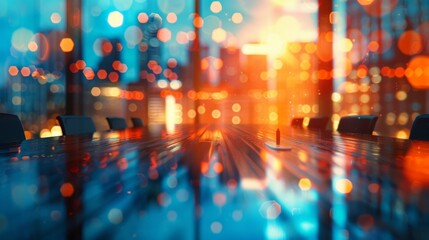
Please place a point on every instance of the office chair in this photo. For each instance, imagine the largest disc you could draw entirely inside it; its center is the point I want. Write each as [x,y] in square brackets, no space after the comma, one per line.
[116,123]
[318,123]
[363,124]
[420,128]
[76,125]
[297,122]
[137,122]
[11,130]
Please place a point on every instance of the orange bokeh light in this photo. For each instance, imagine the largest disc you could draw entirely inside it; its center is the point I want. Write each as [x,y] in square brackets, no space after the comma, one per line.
[164,35]
[67,45]
[410,43]
[365,2]
[362,72]
[102,74]
[171,18]
[417,72]
[80,64]
[344,186]
[143,18]
[378,8]
[198,22]
[373,46]
[113,76]
[218,168]
[204,64]
[399,72]
[25,71]
[13,70]
[106,47]
[67,190]
[89,73]
[416,166]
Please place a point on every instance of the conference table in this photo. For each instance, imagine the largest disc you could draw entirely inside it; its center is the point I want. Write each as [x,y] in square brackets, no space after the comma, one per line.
[215,182]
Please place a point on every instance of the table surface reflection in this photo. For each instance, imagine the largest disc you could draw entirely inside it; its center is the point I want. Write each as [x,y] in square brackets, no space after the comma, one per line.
[215,182]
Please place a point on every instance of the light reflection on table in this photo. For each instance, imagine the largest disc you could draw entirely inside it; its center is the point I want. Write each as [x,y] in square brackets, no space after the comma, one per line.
[215,183]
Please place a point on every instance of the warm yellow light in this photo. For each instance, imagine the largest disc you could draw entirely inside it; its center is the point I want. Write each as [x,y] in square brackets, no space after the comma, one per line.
[253,183]
[201,109]
[216,114]
[402,134]
[364,98]
[365,2]
[286,3]
[111,91]
[401,95]
[219,35]
[67,45]
[216,7]
[236,120]
[170,113]
[273,116]
[304,184]
[175,84]
[237,18]
[292,24]
[346,45]
[95,91]
[343,186]
[255,49]
[217,63]
[56,131]
[236,107]
[32,46]
[192,113]
[162,83]
[336,97]
[115,19]
[45,133]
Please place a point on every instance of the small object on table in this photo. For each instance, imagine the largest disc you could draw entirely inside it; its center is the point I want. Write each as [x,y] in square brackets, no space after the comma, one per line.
[278,136]
[277,145]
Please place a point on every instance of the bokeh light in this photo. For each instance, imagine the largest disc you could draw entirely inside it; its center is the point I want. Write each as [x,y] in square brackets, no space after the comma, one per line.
[410,43]
[216,7]
[56,18]
[115,19]
[67,45]
[418,72]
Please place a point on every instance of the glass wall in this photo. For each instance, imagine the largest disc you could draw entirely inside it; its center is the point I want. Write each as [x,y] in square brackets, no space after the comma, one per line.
[232,62]
[384,62]
[31,62]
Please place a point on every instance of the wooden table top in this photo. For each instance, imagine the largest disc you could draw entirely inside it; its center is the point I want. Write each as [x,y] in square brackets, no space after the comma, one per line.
[215,182]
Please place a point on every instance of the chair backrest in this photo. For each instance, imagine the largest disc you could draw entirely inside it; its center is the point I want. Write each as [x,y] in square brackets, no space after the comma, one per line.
[297,122]
[11,130]
[363,124]
[318,123]
[420,128]
[76,125]
[117,123]
[137,122]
